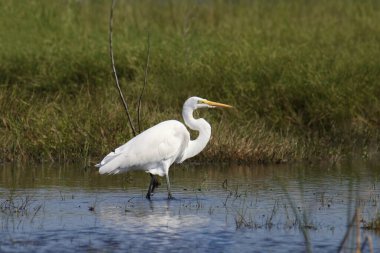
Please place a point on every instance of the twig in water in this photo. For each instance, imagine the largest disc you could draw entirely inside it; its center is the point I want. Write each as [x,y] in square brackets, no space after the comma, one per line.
[367,240]
[355,224]
[114,69]
[358,236]
[36,210]
[350,226]
[225,184]
[227,197]
[145,82]
[298,218]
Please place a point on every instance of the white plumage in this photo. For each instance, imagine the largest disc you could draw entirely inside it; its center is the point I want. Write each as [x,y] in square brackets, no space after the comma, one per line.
[165,142]
[158,147]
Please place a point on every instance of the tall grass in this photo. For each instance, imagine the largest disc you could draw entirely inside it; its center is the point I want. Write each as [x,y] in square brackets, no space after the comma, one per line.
[303,75]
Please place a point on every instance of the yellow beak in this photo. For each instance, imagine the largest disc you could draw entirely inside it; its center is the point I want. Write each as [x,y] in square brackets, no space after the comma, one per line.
[216,104]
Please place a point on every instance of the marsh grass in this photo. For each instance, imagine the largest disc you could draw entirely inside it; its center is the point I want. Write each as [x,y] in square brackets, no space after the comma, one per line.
[19,206]
[353,240]
[63,129]
[303,76]
[373,225]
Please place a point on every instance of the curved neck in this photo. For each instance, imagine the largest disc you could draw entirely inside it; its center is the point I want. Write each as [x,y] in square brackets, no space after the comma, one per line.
[200,125]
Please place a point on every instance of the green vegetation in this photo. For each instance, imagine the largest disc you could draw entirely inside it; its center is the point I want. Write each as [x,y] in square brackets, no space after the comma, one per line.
[303,76]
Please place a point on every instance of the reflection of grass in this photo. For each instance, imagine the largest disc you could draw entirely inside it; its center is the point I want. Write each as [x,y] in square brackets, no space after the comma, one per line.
[352,237]
[243,221]
[236,200]
[11,206]
[19,206]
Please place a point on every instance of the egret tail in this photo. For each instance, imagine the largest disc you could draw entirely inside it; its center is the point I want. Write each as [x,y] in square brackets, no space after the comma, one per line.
[111,165]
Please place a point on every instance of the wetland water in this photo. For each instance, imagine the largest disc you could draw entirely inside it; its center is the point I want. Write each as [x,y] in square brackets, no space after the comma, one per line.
[218,208]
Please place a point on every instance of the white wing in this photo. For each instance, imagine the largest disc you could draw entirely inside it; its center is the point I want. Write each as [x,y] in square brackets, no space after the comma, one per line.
[148,150]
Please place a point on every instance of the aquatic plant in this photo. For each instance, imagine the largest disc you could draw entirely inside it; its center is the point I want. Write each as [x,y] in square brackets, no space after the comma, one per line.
[373,225]
[19,206]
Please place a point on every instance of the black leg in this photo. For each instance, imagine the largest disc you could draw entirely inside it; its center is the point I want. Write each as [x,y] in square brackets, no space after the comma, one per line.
[155,183]
[150,187]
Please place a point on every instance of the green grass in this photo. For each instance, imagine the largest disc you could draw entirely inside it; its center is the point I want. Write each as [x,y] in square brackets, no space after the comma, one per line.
[303,76]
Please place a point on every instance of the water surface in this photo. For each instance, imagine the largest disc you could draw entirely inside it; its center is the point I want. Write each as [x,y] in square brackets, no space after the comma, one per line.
[217,207]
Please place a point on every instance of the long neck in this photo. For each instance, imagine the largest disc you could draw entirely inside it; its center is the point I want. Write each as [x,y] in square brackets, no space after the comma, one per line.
[204,129]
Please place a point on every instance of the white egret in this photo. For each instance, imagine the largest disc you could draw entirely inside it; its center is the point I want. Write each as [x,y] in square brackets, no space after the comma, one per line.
[158,147]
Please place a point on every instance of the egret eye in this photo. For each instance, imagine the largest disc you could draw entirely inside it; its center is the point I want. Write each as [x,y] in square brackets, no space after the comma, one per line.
[201,101]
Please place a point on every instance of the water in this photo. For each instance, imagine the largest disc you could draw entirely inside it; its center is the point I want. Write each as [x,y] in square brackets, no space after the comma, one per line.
[218,208]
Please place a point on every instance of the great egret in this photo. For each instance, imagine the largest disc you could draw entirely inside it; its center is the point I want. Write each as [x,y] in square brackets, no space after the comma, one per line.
[158,147]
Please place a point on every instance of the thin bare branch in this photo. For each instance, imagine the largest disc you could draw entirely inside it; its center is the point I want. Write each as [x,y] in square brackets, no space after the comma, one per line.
[145,82]
[348,231]
[367,240]
[357,226]
[114,69]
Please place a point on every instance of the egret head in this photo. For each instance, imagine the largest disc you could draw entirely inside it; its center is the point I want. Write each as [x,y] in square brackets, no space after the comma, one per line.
[197,102]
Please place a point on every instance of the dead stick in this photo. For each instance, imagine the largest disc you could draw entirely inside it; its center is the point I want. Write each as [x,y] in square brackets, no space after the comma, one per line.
[346,235]
[358,236]
[114,69]
[367,240]
[145,82]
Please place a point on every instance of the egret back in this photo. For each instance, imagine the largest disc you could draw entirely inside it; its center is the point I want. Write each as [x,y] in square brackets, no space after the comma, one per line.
[157,146]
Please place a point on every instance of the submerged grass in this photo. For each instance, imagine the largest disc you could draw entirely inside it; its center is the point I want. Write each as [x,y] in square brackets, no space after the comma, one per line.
[303,76]
[373,225]
[16,206]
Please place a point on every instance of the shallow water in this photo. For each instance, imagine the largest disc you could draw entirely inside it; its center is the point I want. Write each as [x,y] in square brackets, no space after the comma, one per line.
[218,208]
